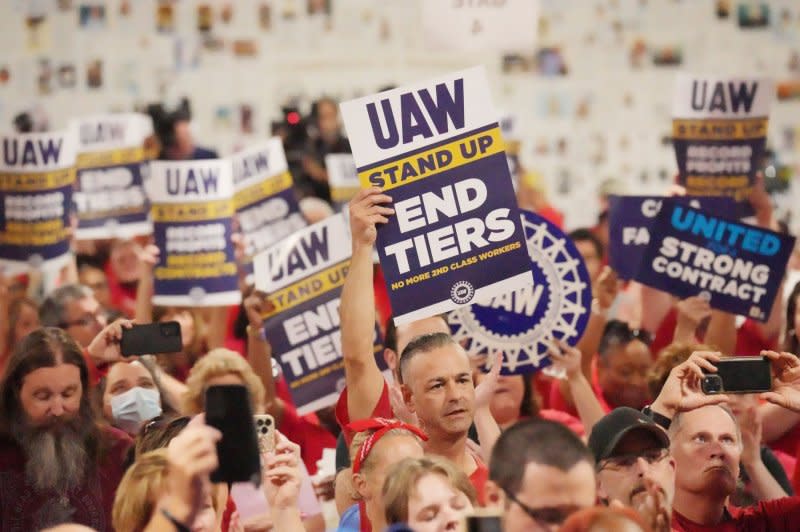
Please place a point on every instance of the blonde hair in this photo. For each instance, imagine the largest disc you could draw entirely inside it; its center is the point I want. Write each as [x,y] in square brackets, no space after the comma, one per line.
[402,478]
[217,363]
[140,488]
[138,492]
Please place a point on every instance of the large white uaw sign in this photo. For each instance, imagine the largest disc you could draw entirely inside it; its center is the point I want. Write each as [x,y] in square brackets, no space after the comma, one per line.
[480,25]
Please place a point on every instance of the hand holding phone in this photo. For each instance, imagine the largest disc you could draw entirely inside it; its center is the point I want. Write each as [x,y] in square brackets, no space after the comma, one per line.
[738,374]
[152,339]
[228,410]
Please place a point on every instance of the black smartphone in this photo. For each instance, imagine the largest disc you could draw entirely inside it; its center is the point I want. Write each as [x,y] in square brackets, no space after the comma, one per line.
[739,375]
[228,410]
[151,339]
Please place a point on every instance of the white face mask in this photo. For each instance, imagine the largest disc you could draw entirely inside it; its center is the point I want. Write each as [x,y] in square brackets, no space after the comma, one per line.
[133,408]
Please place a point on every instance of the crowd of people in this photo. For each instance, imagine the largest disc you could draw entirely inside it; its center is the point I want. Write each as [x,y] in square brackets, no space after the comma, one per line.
[626,440]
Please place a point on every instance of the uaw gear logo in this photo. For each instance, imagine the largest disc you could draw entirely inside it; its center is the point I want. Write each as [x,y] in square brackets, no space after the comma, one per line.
[522,323]
[462,292]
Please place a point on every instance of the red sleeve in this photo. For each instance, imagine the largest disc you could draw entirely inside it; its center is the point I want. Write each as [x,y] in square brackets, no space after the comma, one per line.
[478,479]
[750,341]
[95,373]
[773,516]
[382,409]
[311,437]
[571,422]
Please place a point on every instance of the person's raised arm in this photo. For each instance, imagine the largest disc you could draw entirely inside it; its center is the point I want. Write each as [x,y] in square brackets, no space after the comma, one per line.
[259,353]
[148,257]
[192,456]
[764,486]
[691,313]
[282,486]
[486,426]
[586,403]
[681,391]
[785,380]
[604,292]
[357,309]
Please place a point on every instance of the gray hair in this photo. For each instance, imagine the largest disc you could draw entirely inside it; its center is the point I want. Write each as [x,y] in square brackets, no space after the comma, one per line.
[675,425]
[52,312]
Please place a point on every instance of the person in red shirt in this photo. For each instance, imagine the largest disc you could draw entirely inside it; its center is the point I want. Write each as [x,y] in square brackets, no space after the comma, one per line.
[56,464]
[705,442]
[366,394]
[437,385]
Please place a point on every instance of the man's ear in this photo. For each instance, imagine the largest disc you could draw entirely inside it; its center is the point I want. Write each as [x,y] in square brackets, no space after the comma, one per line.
[408,398]
[601,493]
[494,496]
[391,359]
[360,486]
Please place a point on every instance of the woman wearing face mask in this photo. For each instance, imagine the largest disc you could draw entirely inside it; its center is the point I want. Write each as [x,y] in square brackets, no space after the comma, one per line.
[429,494]
[129,396]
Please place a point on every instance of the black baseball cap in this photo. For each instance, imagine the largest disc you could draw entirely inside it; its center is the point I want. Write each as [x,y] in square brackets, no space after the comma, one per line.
[607,433]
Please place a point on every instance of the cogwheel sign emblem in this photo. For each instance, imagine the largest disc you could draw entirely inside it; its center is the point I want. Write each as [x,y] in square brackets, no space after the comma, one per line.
[462,292]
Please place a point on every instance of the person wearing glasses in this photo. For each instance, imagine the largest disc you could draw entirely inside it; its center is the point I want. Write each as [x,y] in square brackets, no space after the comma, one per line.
[634,466]
[74,309]
[540,473]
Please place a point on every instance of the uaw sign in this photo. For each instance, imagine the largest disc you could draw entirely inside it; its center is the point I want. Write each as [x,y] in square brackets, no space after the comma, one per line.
[522,323]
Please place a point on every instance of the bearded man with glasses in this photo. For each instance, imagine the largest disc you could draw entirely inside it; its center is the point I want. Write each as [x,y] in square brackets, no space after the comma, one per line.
[634,467]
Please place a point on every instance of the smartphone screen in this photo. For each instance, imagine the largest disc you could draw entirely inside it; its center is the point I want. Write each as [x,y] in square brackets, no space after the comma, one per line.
[228,410]
[151,339]
[739,375]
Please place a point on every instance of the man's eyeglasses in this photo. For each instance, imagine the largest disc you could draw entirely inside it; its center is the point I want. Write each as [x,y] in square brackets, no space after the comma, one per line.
[626,461]
[84,321]
[546,516]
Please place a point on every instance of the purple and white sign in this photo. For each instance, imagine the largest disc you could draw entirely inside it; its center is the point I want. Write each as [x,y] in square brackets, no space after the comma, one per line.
[737,267]
[111,167]
[436,148]
[303,277]
[719,131]
[37,175]
[521,323]
[192,208]
[266,208]
[630,218]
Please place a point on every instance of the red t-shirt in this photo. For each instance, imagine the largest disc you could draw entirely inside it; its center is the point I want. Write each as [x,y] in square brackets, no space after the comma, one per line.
[766,516]
[382,409]
[23,509]
[311,437]
[478,479]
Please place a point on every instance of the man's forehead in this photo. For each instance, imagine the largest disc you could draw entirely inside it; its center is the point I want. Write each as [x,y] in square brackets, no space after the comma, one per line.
[62,374]
[710,418]
[442,361]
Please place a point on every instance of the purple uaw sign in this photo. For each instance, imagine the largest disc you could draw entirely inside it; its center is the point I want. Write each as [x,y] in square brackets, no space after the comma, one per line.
[630,218]
[738,267]
[303,277]
[719,131]
[192,208]
[37,176]
[435,147]
[111,169]
[521,323]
